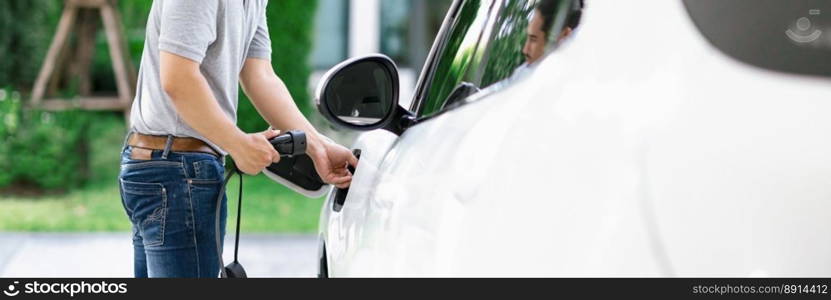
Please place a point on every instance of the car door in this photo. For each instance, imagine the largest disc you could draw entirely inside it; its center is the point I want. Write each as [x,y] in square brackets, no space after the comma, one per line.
[344,210]
[482,51]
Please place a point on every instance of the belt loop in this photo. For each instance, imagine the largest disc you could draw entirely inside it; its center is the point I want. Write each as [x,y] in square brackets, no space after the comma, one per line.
[127,139]
[167,146]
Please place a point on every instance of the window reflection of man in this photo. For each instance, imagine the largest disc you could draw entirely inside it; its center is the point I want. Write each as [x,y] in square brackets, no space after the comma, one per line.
[540,27]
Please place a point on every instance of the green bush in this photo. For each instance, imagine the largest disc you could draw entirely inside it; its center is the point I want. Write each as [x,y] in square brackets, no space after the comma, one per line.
[134,21]
[291,25]
[26,28]
[9,125]
[43,150]
[46,150]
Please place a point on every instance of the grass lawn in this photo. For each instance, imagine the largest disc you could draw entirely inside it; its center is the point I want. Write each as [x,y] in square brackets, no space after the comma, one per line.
[268,206]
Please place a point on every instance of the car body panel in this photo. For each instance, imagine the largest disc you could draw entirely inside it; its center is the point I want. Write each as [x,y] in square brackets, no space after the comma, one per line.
[338,228]
[636,149]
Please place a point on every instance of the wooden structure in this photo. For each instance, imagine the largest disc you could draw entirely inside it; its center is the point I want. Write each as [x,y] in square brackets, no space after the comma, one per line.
[65,58]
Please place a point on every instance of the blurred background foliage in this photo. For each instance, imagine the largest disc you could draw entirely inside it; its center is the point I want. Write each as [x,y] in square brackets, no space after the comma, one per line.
[58,169]
[27,27]
[60,158]
[48,152]
[291,28]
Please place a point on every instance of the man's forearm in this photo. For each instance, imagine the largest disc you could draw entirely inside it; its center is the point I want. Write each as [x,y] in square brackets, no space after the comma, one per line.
[272,99]
[275,104]
[195,102]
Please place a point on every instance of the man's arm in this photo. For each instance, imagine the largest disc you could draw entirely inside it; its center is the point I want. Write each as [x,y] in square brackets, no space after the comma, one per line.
[194,101]
[272,99]
[274,102]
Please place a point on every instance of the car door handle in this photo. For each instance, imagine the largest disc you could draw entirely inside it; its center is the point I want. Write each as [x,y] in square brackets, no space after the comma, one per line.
[340,194]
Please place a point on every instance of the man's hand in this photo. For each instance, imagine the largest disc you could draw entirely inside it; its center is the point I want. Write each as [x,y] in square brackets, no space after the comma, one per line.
[331,161]
[274,102]
[254,152]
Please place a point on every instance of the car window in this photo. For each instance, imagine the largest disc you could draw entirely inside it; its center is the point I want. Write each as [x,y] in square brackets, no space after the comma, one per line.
[490,41]
[456,56]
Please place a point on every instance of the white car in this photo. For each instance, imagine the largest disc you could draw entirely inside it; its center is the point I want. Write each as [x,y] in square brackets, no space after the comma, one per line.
[658,138]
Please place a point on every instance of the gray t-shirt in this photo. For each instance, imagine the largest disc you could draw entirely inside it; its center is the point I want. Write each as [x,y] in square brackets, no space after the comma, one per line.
[218,34]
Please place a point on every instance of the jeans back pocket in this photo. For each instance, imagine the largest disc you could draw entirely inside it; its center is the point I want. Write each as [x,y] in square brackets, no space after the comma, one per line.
[146,205]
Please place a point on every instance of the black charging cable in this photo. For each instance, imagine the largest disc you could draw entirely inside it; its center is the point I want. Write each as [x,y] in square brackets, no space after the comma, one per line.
[290,144]
[235,269]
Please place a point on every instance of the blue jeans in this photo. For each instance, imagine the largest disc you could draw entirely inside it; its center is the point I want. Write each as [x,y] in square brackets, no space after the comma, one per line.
[171,202]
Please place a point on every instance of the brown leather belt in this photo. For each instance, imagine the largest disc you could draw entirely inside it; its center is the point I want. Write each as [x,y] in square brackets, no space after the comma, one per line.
[180,144]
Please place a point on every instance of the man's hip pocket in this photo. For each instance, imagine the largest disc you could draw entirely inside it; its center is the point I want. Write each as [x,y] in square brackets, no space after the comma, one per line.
[146,205]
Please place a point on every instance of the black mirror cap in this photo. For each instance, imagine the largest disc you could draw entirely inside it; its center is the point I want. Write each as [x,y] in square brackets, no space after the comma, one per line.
[393,116]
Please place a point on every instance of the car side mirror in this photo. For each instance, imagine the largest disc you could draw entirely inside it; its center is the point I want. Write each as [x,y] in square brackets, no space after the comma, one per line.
[362,94]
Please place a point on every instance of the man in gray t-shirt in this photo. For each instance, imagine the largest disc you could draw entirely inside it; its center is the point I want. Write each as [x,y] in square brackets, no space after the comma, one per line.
[183,123]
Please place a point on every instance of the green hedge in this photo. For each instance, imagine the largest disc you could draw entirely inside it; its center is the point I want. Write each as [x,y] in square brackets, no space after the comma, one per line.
[291,25]
[134,20]
[42,150]
[48,150]
[26,28]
